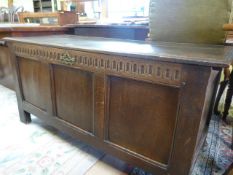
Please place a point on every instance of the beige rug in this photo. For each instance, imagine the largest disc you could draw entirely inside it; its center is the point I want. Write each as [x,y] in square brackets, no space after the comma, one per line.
[37,149]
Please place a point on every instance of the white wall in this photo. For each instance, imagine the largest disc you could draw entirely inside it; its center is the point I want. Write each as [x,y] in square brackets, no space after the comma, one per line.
[3,3]
[59,4]
[27,4]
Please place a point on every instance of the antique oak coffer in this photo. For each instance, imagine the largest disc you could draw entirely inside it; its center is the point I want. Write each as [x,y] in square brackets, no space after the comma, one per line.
[144,102]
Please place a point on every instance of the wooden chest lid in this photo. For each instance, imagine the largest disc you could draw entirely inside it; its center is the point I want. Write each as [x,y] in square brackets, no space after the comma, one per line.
[198,54]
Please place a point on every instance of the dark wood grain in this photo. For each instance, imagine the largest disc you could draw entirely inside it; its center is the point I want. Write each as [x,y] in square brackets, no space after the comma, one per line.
[150,111]
[209,55]
[6,76]
[139,114]
[192,102]
[35,80]
[76,107]
[24,115]
[99,104]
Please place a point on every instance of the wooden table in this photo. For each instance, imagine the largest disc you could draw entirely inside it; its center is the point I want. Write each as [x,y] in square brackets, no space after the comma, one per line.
[11,30]
[61,17]
[229,29]
[147,103]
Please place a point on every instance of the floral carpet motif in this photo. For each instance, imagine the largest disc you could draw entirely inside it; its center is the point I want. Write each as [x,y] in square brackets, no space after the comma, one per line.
[38,149]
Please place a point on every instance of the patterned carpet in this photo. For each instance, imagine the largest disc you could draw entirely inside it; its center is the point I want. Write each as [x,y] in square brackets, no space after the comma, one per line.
[216,156]
[37,149]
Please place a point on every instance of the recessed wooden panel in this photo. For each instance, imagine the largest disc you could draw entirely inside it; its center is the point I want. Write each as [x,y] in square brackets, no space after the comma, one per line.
[35,83]
[74,96]
[6,75]
[142,117]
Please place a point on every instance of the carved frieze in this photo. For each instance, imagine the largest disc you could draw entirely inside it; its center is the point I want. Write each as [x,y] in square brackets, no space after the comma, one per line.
[143,69]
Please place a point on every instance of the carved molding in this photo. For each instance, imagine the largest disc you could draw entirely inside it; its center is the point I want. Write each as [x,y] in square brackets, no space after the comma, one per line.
[149,70]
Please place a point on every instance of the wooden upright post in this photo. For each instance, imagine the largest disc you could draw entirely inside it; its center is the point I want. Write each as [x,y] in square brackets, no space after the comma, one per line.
[80,7]
[104,7]
[10,3]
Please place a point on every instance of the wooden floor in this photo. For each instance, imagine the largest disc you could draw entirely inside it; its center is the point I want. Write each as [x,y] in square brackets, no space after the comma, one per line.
[229,170]
[108,165]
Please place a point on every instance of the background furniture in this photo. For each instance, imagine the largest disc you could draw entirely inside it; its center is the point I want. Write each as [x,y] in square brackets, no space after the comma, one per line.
[147,103]
[53,18]
[11,13]
[45,5]
[6,75]
[133,32]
